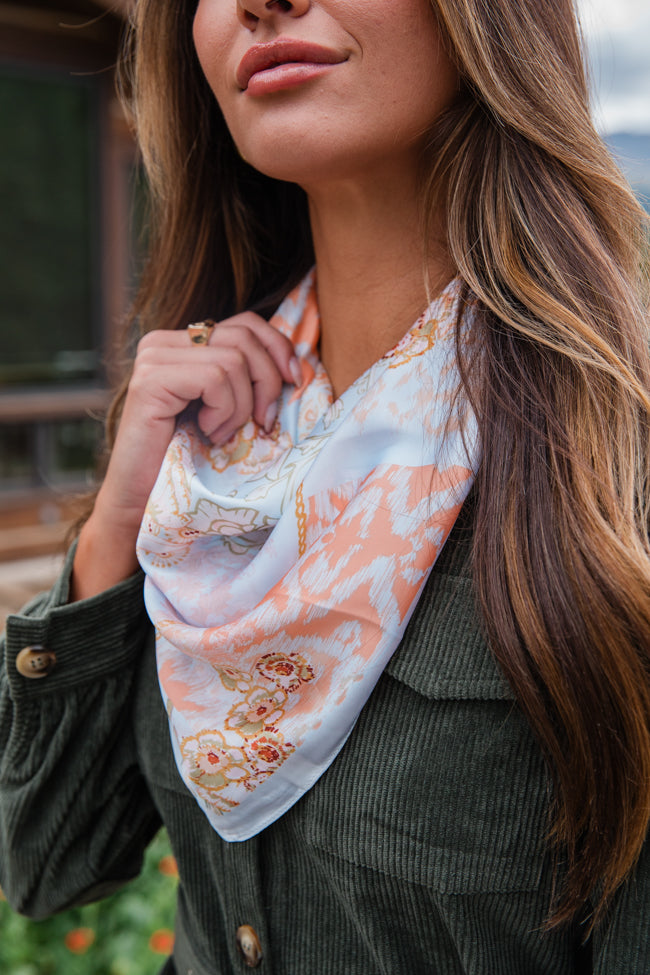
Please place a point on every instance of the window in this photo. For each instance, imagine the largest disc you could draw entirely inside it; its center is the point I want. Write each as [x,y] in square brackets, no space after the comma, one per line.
[65,168]
[50,306]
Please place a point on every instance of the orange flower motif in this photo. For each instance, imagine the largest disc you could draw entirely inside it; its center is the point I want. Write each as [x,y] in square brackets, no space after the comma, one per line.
[287,671]
[269,751]
[258,711]
[210,763]
[167,866]
[162,941]
[79,940]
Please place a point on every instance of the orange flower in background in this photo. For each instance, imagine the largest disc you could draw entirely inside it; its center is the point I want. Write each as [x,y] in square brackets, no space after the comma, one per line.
[2,896]
[79,940]
[168,866]
[162,941]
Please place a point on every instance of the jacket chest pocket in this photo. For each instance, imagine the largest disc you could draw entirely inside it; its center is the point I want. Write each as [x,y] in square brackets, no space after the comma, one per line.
[449,793]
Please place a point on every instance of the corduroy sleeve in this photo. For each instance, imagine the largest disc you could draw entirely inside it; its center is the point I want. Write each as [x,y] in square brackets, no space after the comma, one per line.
[75,813]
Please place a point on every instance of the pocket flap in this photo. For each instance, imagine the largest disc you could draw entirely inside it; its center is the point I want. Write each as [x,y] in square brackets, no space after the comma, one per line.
[443,654]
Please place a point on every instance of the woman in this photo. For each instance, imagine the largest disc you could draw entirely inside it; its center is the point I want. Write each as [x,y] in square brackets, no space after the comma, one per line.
[374,765]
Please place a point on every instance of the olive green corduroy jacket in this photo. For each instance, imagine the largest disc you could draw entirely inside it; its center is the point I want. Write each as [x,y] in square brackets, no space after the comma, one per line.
[420,850]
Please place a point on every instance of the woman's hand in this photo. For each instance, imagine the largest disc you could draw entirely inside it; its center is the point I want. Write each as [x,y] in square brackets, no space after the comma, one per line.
[238,374]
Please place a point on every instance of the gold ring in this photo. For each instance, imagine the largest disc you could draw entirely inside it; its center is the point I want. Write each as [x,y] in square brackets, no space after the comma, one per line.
[200,332]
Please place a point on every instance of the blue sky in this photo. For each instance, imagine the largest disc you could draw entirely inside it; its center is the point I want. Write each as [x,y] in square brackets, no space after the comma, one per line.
[618,38]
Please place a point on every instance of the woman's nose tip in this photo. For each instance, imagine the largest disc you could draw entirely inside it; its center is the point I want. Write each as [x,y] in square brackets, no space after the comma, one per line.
[250,11]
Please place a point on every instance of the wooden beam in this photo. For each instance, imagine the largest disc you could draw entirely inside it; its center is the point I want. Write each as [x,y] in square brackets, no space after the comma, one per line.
[57,404]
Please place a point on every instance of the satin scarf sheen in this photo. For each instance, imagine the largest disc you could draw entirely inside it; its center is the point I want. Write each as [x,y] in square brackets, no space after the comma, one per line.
[282,568]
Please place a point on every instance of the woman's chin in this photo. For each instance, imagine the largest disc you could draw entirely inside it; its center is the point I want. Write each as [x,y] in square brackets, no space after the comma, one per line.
[321,166]
[294,163]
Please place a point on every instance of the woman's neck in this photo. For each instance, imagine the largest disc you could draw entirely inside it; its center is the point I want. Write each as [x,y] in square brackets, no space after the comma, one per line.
[370,259]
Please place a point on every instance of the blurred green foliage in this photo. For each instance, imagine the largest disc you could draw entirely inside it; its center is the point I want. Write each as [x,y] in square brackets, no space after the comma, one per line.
[129,933]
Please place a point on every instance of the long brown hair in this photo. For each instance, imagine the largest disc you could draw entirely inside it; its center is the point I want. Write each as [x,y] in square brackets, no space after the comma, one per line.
[548,239]
[545,232]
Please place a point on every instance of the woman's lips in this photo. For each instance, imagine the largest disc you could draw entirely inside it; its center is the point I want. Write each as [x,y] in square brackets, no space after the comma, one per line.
[282,64]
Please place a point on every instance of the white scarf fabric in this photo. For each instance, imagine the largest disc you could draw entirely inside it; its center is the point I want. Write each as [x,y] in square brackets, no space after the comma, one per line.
[282,568]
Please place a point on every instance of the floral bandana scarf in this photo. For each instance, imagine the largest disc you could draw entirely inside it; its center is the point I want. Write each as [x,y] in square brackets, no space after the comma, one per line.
[282,568]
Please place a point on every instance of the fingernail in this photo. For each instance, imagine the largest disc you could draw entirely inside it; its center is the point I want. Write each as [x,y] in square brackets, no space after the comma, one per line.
[271,417]
[296,371]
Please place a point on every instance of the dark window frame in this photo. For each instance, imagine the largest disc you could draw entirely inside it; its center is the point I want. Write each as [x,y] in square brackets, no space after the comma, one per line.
[69,39]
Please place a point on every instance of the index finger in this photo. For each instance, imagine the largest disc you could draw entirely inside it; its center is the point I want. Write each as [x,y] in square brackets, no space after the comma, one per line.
[277,345]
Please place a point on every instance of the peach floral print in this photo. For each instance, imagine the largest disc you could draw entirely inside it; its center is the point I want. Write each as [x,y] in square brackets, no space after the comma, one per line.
[283,567]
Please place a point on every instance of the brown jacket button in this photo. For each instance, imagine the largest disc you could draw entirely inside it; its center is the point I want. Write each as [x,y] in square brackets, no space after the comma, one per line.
[249,945]
[35,662]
